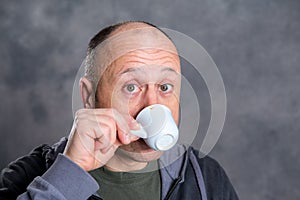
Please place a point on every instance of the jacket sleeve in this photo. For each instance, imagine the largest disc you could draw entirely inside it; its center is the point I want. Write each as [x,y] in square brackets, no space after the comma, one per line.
[63,180]
[17,176]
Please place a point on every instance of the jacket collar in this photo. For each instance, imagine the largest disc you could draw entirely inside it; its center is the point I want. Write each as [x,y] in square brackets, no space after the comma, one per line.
[172,167]
[172,163]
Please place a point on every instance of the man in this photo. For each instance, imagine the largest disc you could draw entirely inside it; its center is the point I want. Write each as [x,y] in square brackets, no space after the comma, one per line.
[128,67]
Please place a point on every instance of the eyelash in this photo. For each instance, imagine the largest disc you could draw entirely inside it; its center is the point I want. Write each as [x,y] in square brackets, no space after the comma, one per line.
[129,85]
[136,88]
[170,87]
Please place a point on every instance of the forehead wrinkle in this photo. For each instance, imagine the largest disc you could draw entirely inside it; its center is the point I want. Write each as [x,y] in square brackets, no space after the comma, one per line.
[132,38]
[147,56]
[153,54]
[141,60]
[107,59]
[139,70]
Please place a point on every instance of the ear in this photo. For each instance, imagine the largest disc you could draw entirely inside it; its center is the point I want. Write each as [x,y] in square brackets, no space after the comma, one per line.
[87,93]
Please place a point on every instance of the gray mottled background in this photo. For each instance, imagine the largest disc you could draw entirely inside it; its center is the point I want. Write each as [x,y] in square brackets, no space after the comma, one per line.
[254,43]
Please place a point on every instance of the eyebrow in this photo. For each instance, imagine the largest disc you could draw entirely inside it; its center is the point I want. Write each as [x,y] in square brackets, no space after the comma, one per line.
[169,69]
[130,70]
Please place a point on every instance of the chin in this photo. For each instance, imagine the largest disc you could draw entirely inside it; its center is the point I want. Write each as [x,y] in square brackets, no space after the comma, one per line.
[139,151]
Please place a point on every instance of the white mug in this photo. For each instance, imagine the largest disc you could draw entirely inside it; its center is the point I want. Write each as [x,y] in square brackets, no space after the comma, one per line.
[158,127]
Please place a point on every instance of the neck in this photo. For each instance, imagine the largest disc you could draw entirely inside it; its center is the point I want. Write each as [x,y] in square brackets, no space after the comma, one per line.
[123,164]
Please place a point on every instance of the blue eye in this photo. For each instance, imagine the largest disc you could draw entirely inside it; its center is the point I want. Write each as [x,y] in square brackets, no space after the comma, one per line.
[131,88]
[166,87]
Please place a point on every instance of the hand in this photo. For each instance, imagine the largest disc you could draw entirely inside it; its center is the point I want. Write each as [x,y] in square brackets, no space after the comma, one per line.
[95,136]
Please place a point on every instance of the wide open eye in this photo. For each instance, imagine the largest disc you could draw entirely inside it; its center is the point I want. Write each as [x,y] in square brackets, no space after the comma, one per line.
[166,87]
[131,88]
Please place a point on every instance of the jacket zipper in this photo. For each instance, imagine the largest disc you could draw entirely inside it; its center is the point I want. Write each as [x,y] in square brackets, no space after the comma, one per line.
[173,188]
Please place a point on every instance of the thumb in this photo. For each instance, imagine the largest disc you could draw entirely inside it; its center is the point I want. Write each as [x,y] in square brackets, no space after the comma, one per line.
[133,124]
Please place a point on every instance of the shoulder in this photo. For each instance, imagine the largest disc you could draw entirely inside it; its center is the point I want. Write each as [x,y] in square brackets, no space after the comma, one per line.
[207,163]
[217,182]
[18,174]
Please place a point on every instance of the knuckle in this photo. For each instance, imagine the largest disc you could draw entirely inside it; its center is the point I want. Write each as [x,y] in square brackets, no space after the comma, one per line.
[105,129]
[114,112]
[80,111]
[111,121]
[110,111]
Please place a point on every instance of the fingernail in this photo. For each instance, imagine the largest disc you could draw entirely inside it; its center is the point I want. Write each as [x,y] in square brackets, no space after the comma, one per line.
[127,138]
[134,124]
[133,137]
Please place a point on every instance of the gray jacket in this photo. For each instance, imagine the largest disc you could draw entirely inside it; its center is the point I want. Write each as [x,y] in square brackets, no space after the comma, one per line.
[184,176]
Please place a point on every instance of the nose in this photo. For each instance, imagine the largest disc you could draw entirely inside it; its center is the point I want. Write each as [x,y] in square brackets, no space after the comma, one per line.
[150,96]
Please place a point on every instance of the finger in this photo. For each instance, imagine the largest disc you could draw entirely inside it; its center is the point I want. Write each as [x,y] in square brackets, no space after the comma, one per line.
[118,127]
[133,124]
[107,126]
[101,158]
[122,127]
[119,119]
[110,147]
[105,140]
[116,118]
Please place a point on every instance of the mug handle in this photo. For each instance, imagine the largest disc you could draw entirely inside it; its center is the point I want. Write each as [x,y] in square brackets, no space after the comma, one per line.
[140,133]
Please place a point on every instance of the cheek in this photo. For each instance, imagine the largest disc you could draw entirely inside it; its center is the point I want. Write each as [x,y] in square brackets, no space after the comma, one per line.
[119,103]
[175,112]
[173,105]
[135,106]
[176,107]
[103,98]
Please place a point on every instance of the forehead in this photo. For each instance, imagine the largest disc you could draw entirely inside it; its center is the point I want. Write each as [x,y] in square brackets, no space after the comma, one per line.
[135,44]
[147,58]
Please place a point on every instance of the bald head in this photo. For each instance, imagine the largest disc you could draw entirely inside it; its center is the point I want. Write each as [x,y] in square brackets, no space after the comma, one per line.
[117,40]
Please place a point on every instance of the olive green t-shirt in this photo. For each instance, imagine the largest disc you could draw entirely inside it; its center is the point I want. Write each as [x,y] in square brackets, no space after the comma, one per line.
[128,185]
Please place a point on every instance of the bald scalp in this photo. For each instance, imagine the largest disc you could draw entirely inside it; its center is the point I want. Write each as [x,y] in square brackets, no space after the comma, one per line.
[115,41]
